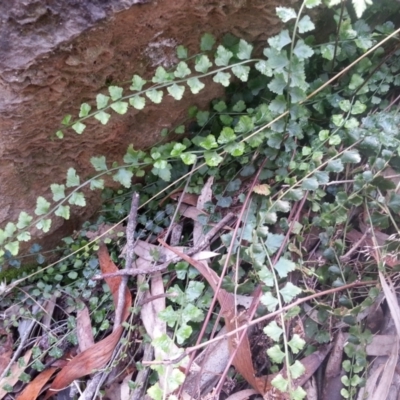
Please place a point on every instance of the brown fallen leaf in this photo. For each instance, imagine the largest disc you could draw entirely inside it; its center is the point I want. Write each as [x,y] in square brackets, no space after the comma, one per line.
[6,345]
[96,356]
[32,390]
[15,371]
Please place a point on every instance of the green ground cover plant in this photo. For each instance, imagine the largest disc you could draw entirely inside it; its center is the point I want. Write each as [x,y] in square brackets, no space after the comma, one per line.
[317,123]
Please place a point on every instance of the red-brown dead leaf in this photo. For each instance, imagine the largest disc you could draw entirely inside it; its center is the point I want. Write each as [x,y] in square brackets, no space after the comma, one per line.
[99,354]
[6,344]
[32,390]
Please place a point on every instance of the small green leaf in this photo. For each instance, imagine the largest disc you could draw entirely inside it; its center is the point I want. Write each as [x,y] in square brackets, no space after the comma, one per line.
[161,75]
[269,301]
[297,369]
[335,166]
[176,91]
[195,85]
[274,242]
[181,52]
[162,169]
[96,184]
[273,331]
[137,102]
[358,108]
[24,220]
[115,92]
[212,158]
[99,163]
[312,3]
[101,101]
[58,191]
[306,25]
[355,81]
[44,225]
[220,106]
[24,237]
[3,237]
[296,343]
[278,105]
[241,71]
[302,51]
[202,117]
[245,49]
[78,127]
[12,247]
[10,229]
[63,212]
[120,107]
[73,275]
[328,51]
[78,199]
[72,178]
[239,106]
[132,156]
[207,42]
[289,292]
[394,203]
[227,135]
[67,119]
[264,68]
[280,382]
[222,78]
[188,158]
[209,142]
[310,184]
[360,6]
[284,266]
[222,56]
[202,64]
[285,13]
[42,206]
[103,117]
[137,83]
[338,119]
[124,177]
[244,125]
[169,315]
[60,134]
[85,110]
[235,149]
[177,149]
[182,70]
[277,84]
[155,95]
[281,40]
[351,156]
[276,354]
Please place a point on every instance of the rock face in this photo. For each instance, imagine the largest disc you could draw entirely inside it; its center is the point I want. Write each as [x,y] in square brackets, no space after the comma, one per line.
[56,54]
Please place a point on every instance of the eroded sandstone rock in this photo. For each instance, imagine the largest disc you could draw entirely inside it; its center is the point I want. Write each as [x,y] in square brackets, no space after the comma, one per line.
[54,55]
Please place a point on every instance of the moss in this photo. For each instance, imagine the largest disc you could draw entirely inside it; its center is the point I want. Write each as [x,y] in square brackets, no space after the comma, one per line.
[10,274]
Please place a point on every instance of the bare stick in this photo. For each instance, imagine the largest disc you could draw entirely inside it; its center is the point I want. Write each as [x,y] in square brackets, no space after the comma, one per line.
[130,244]
[161,267]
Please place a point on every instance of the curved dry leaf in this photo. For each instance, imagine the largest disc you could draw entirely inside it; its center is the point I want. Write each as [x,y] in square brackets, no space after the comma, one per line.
[99,354]
[32,390]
